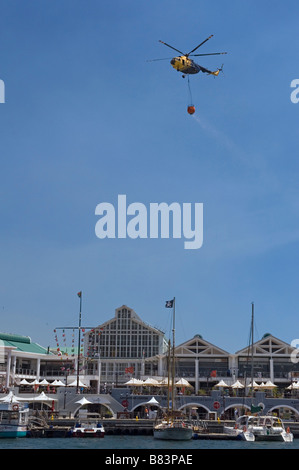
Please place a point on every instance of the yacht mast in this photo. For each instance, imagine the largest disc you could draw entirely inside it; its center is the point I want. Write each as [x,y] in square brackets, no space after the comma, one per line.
[173,359]
[252,323]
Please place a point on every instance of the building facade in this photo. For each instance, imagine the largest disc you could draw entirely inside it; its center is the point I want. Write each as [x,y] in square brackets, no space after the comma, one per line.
[118,348]
[125,346]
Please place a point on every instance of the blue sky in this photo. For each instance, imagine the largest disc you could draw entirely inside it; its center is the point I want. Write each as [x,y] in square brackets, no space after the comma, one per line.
[87,118]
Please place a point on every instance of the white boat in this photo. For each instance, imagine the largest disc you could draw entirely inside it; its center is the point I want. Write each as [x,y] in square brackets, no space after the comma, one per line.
[240,430]
[260,428]
[87,430]
[13,419]
[173,426]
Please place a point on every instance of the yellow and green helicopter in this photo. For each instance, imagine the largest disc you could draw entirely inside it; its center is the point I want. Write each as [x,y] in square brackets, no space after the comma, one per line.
[187,66]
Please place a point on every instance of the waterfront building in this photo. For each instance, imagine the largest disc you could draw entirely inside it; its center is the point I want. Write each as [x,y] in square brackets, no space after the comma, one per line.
[117,349]
[125,346]
[272,360]
[21,358]
[203,364]
[199,362]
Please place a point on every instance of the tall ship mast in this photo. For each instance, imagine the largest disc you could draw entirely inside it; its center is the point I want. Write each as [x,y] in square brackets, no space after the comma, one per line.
[173,426]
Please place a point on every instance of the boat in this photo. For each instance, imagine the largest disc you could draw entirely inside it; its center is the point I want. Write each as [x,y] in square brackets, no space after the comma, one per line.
[174,430]
[174,425]
[260,428]
[87,430]
[13,419]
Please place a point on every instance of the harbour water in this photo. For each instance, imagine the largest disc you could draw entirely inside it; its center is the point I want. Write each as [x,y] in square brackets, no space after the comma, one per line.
[139,443]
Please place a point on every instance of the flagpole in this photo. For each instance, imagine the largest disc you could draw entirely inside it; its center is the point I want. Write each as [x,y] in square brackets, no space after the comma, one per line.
[79,340]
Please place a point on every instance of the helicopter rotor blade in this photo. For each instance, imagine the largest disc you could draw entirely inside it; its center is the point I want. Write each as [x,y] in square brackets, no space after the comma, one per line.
[154,60]
[212,53]
[172,47]
[200,44]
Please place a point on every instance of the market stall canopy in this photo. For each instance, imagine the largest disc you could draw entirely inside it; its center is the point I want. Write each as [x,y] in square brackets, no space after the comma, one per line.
[293,386]
[42,398]
[25,382]
[269,385]
[11,398]
[44,382]
[74,384]
[57,383]
[183,383]
[255,385]
[152,401]
[221,384]
[262,385]
[83,401]
[135,382]
[237,384]
[164,382]
[151,382]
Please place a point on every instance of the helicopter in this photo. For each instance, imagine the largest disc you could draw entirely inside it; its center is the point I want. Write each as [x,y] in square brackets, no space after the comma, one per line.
[187,66]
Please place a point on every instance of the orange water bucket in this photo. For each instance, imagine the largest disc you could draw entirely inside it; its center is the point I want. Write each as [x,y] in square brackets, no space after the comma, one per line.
[191,109]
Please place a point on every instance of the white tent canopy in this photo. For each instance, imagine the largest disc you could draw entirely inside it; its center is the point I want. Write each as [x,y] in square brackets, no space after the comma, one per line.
[151,382]
[165,382]
[221,384]
[44,382]
[269,385]
[135,382]
[57,383]
[152,401]
[83,401]
[183,383]
[11,398]
[237,384]
[255,385]
[42,398]
[25,382]
[74,384]
[293,386]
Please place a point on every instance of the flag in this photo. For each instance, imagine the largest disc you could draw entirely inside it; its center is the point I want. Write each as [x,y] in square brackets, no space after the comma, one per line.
[255,409]
[213,373]
[79,294]
[169,304]
[129,370]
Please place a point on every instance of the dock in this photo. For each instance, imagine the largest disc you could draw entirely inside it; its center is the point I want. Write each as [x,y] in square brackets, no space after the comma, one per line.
[113,427]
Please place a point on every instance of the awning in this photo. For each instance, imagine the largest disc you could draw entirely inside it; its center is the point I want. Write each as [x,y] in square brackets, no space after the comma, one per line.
[83,401]
[11,398]
[221,384]
[237,384]
[42,398]
[152,401]
[135,382]
[74,384]
[57,383]
[182,383]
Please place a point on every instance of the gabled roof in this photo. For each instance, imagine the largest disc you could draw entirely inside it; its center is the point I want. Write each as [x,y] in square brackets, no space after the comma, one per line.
[268,345]
[198,346]
[21,343]
[134,317]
